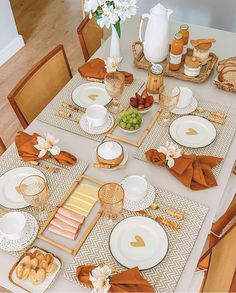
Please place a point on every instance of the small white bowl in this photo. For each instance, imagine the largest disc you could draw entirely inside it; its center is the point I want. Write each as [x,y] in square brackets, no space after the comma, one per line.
[144,110]
[193,72]
[131,131]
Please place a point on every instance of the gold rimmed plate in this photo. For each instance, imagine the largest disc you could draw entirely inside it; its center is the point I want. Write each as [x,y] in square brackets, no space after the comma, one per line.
[192,131]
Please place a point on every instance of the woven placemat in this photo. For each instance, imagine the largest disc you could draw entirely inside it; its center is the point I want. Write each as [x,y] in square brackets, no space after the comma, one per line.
[219,148]
[164,277]
[48,115]
[58,183]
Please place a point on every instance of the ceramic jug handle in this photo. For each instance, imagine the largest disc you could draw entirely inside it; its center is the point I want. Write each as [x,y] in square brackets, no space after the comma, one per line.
[141,24]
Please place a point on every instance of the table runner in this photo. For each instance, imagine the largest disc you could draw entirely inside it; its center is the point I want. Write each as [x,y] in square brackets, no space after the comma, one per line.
[164,277]
[48,115]
[158,135]
[58,182]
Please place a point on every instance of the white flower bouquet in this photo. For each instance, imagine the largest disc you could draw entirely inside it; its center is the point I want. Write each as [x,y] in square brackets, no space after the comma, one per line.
[109,13]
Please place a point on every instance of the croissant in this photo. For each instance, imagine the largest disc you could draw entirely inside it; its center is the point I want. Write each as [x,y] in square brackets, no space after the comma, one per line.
[34,263]
[43,264]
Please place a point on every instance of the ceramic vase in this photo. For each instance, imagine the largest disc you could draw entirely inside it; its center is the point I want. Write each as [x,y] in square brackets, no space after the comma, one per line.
[115,44]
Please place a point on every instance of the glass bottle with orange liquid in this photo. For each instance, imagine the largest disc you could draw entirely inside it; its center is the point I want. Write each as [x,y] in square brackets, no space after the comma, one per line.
[176,52]
[184,30]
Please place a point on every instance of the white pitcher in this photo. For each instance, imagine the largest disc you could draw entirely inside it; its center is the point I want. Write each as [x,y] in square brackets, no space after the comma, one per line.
[156,40]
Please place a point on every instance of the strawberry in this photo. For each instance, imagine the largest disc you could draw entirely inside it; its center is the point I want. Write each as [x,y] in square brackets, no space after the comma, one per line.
[144,94]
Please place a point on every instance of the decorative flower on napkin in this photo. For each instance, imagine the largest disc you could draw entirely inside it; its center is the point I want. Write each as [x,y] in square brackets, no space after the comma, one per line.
[126,281]
[47,146]
[100,278]
[171,151]
[112,64]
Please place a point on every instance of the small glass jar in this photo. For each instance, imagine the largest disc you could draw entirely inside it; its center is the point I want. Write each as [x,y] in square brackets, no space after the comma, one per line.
[155,79]
[184,30]
[176,52]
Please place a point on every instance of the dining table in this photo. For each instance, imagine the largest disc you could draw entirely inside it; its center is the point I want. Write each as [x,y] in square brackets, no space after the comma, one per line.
[83,147]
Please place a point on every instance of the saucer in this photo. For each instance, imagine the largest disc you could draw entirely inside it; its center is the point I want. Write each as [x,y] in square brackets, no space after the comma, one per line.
[123,162]
[26,240]
[143,203]
[187,110]
[97,130]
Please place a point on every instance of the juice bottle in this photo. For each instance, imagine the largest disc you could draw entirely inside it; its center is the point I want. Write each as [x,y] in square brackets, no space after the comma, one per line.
[176,52]
[185,33]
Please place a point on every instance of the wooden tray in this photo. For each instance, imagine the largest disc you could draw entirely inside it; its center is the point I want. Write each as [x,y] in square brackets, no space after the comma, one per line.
[141,62]
[225,86]
[81,240]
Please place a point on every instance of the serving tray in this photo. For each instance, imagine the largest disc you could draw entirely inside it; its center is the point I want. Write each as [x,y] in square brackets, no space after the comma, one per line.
[141,62]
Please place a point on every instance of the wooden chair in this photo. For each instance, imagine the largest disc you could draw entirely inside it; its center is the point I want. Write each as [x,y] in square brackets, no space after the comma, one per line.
[90,36]
[2,147]
[217,266]
[40,85]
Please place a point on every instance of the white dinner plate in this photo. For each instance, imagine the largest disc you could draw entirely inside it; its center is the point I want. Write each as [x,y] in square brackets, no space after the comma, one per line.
[138,241]
[91,93]
[10,198]
[192,131]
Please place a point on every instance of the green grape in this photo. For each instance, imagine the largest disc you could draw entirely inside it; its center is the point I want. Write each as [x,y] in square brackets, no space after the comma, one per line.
[124,119]
[128,126]
[123,125]
[133,115]
[130,120]
[131,128]
[135,120]
[136,126]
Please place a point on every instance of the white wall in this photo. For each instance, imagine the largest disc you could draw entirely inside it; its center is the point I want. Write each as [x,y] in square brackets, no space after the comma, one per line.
[219,14]
[10,40]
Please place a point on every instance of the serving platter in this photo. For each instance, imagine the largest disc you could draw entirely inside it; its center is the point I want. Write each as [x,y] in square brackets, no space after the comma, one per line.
[9,181]
[192,131]
[138,241]
[141,62]
[90,93]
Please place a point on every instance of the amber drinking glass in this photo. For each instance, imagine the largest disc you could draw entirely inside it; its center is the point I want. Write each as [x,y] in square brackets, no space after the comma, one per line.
[114,85]
[111,198]
[168,100]
[35,192]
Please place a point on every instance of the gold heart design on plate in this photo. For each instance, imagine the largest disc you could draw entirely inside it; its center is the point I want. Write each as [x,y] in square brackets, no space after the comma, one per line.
[191,131]
[139,242]
[93,97]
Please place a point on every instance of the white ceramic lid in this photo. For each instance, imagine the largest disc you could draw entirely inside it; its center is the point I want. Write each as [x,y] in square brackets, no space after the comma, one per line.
[160,9]
[109,150]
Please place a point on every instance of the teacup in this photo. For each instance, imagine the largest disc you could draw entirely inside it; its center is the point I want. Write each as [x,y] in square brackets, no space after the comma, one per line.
[185,97]
[12,226]
[135,187]
[96,115]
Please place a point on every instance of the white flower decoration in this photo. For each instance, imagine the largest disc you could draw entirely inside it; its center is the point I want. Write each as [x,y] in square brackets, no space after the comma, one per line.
[47,145]
[125,9]
[112,64]
[100,278]
[91,6]
[171,151]
[108,16]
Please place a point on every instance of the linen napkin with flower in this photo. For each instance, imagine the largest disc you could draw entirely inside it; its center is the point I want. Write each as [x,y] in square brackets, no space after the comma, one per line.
[193,171]
[97,68]
[102,280]
[34,147]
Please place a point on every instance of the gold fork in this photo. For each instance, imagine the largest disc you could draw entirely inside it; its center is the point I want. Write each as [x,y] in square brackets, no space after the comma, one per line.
[50,169]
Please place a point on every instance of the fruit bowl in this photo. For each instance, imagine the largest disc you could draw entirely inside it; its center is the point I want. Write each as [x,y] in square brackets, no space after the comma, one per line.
[143,103]
[131,121]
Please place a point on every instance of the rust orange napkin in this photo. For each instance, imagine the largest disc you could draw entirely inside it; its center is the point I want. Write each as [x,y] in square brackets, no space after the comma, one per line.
[193,171]
[95,68]
[25,146]
[127,281]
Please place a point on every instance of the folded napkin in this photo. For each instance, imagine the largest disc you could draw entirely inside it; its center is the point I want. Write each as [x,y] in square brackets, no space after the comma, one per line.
[25,145]
[95,68]
[127,281]
[193,171]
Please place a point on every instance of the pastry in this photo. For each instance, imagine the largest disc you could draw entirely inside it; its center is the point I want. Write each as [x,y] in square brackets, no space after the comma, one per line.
[26,271]
[26,260]
[39,256]
[51,268]
[192,66]
[34,263]
[33,276]
[43,264]
[19,270]
[202,48]
[49,258]
[40,276]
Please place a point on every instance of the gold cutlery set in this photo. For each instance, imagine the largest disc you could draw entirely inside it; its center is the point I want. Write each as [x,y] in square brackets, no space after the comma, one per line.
[68,115]
[216,117]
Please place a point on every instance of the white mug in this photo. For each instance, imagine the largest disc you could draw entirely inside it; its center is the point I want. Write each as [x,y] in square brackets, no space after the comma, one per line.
[12,226]
[96,115]
[185,97]
[135,187]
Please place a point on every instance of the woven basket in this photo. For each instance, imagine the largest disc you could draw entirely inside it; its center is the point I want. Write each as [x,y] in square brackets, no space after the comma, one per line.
[141,62]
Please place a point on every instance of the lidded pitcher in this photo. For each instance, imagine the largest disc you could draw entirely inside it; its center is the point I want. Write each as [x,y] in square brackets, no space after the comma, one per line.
[156,38]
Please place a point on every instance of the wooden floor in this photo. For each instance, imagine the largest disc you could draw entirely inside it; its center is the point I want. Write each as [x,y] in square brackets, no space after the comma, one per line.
[43,25]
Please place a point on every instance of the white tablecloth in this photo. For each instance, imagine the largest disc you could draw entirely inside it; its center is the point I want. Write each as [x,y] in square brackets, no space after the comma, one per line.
[82,147]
